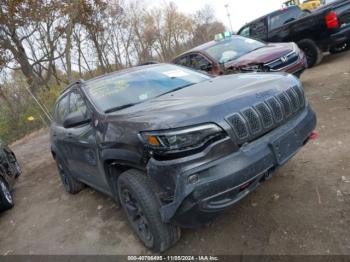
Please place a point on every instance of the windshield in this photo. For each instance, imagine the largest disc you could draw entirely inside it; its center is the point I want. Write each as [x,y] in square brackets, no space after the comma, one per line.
[233,48]
[114,92]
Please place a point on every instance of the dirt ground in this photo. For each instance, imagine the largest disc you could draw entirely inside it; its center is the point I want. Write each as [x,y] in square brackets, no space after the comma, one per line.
[304,209]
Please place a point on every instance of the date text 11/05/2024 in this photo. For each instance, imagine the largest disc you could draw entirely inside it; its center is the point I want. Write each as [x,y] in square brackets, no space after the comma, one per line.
[173,258]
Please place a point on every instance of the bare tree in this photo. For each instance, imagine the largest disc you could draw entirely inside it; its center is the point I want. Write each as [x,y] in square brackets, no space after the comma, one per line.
[95,36]
[205,26]
[30,31]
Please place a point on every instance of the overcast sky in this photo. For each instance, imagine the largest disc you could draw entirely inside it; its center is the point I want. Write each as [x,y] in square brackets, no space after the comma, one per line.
[242,11]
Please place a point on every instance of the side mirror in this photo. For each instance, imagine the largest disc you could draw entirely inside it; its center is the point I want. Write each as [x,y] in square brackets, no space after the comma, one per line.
[75,119]
[207,67]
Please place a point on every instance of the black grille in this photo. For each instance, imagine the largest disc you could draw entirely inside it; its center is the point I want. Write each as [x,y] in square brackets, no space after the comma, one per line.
[284,61]
[285,103]
[300,94]
[266,115]
[276,109]
[239,126]
[253,120]
[293,99]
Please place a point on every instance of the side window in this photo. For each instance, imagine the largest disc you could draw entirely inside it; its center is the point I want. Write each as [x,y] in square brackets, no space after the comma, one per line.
[182,61]
[258,30]
[198,62]
[284,17]
[77,103]
[245,31]
[62,109]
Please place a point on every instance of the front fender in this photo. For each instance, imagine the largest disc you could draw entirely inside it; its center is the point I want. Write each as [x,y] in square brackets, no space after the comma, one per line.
[123,157]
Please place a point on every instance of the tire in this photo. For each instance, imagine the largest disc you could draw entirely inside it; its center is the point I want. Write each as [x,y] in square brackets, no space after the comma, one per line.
[6,199]
[70,184]
[314,54]
[138,197]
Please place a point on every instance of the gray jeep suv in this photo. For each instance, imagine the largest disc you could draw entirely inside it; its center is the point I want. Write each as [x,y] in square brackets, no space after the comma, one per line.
[176,147]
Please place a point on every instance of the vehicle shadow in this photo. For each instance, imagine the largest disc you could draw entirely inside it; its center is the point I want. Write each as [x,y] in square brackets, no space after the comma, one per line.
[331,58]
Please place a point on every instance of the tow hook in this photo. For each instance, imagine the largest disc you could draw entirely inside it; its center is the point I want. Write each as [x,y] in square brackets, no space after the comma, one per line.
[313,135]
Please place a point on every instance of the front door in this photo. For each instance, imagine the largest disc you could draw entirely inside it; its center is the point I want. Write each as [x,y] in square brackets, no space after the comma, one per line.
[82,147]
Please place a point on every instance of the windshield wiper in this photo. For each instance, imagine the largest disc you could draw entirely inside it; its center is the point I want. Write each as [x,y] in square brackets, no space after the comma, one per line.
[113,109]
[176,89]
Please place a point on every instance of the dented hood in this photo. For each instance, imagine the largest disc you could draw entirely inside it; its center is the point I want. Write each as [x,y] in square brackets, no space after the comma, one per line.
[209,101]
[268,53]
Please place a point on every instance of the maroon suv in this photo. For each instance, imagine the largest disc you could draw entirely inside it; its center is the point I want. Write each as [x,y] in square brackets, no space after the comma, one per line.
[240,54]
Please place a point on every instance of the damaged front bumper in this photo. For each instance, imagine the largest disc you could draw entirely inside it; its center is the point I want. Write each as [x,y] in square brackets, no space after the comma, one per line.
[205,184]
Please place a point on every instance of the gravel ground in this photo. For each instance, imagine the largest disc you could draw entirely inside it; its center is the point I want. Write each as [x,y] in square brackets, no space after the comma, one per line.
[304,209]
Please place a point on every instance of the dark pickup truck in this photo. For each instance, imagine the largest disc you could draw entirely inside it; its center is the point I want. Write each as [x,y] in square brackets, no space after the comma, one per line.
[325,29]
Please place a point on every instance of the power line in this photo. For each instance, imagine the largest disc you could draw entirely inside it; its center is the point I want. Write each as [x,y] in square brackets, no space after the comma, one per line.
[42,106]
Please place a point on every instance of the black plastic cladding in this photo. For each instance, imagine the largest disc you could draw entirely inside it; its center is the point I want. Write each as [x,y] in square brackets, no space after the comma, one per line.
[264,116]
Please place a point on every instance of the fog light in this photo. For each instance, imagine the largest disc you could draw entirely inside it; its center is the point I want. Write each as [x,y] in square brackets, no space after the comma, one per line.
[192,179]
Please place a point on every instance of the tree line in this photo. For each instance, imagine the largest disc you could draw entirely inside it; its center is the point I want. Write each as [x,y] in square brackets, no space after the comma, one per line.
[47,38]
[45,44]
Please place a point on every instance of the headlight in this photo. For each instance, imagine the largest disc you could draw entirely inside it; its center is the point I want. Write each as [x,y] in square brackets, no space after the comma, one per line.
[182,139]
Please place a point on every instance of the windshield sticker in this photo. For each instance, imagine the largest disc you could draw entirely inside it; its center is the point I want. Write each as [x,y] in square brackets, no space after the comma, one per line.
[175,73]
[143,97]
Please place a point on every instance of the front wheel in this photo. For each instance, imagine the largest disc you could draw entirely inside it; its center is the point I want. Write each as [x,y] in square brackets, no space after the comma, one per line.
[6,199]
[141,204]
[314,54]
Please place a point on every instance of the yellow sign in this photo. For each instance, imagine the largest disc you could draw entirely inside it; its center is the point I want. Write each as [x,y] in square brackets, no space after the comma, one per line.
[30,118]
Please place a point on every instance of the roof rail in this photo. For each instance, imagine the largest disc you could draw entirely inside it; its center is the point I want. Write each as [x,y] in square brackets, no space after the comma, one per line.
[79,81]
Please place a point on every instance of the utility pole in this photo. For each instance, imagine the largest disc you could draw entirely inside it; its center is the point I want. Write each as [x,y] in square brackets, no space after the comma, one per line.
[229,17]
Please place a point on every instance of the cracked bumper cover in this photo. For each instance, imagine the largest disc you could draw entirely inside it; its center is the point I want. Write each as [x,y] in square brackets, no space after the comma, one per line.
[226,177]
